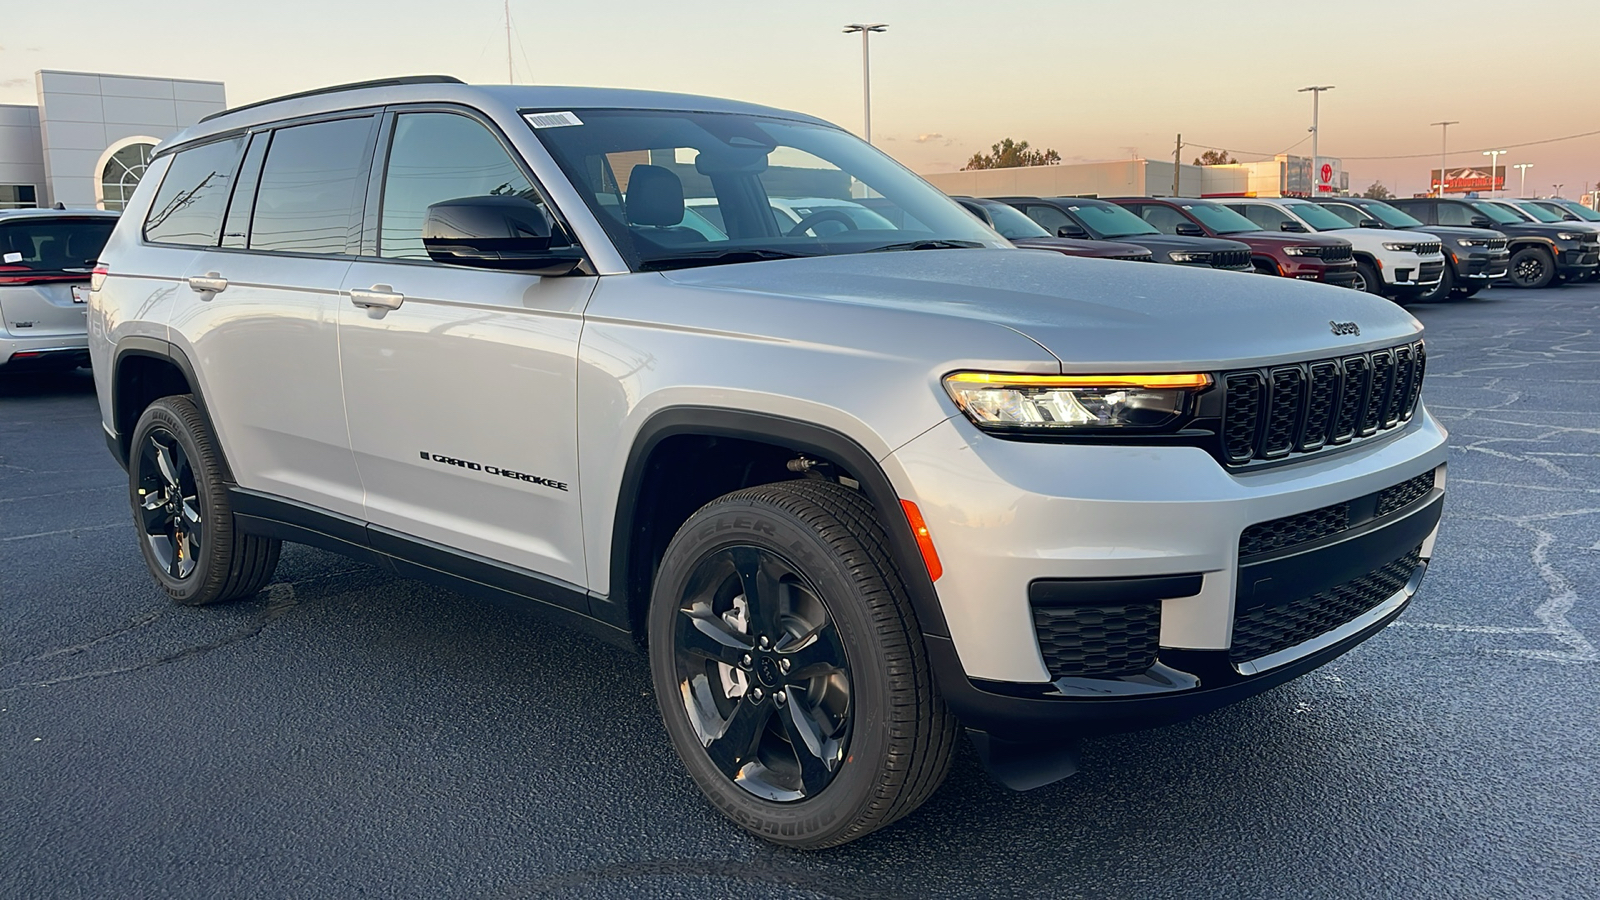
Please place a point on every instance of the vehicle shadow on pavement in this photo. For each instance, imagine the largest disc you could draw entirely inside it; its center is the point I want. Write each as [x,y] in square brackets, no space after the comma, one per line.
[46,384]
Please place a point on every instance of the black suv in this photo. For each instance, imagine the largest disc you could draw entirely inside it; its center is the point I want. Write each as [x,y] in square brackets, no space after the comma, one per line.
[1541,254]
[1475,257]
[1080,217]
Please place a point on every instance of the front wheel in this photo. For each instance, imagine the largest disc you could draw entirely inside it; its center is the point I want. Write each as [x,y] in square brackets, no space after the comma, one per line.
[1532,267]
[1441,291]
[1367,278]
[180,505]
[789,667]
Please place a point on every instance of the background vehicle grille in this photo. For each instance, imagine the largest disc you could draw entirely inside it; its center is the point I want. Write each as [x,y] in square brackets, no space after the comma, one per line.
[1267,629]
[1497,243]
[1334,254]
[1273,413]
[1428,248]
[1230,259]
[1098,641]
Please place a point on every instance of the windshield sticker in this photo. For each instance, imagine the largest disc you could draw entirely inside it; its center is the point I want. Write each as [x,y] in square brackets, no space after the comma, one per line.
[13,257]
[552,119]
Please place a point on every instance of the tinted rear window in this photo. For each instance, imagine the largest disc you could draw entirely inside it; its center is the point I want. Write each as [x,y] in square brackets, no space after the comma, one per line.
[52,245]
[188,208]
[312,187]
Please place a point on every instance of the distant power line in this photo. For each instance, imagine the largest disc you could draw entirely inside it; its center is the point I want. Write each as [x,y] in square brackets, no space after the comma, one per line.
[1429,155]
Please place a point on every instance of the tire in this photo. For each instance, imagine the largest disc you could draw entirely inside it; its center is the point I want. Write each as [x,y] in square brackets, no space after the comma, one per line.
[1262,267]
[1441,291]
[1464,293]
[1367,278]
[844,668]
[180,506]
[1531,267]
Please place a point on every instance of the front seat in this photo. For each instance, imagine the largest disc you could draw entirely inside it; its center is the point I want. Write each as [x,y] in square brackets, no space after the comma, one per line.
[654,207]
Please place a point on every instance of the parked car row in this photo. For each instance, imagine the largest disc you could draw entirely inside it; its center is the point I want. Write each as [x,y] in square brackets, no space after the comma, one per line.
[1542,253]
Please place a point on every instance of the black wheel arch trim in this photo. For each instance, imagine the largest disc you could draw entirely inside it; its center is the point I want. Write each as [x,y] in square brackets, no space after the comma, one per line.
[801,436]
[168,352]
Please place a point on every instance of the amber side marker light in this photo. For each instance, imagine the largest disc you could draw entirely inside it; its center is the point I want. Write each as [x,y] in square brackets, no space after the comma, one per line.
[919,529]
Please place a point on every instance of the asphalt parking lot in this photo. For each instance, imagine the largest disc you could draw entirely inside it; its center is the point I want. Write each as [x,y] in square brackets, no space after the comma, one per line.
[350,734]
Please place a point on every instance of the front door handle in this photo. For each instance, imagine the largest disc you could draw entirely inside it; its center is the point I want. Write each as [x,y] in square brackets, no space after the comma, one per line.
[208,285]
[379,296]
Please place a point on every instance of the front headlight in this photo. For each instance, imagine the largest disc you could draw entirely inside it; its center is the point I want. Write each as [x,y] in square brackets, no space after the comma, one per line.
[1570,235]
[1399,246]
[1074,403]
[1189,256]
[1303,251]
[1473,242]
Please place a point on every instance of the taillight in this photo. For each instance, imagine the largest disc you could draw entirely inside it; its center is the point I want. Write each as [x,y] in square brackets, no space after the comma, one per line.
[97,276]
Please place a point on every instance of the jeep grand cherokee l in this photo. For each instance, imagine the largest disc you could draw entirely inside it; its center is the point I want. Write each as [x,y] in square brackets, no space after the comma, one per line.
[853,492]
[1400,265]
[1474,257]
[1541,253]
[1079,217]
[1026,233]
[1308,257]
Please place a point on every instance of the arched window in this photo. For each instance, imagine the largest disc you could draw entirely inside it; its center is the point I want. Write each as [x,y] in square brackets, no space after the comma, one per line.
[122,173]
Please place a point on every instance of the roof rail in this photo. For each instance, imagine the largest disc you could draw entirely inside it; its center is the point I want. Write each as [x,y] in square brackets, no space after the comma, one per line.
[353,86]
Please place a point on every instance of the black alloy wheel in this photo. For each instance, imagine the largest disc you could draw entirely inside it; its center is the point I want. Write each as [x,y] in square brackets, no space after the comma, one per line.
[762,673]
[1532,267]
[169,503]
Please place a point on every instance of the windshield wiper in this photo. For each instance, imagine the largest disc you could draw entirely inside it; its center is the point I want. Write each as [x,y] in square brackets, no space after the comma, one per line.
[715,257]
[931,244]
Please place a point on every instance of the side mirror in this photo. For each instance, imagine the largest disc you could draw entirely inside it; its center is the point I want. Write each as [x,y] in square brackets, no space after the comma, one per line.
[1292,227]
[1072,231]
[1189,229]
[495,232]
[1371,223]
[1482,222]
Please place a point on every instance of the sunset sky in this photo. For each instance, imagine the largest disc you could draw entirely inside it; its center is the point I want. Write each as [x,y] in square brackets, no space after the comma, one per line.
[1094,81]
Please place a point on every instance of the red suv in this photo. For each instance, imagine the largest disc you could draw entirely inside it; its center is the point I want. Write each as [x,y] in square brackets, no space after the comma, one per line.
[1308,257]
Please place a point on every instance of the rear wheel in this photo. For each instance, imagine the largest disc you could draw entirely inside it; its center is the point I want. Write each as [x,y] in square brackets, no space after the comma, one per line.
[1532,267]
[180,503]
[1367,278]
[789,668]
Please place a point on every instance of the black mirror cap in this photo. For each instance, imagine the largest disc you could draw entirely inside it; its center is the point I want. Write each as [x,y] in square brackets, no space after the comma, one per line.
[1371,223]
[1072,231]
[1189,229]
[1482,222]
[495,232]
[1292,227]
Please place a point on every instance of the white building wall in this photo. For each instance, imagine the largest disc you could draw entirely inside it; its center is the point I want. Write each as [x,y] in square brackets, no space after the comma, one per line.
[1122,178]
[21,151]
[82,115]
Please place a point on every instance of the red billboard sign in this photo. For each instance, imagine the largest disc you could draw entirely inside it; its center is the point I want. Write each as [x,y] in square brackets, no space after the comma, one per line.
[1468,180]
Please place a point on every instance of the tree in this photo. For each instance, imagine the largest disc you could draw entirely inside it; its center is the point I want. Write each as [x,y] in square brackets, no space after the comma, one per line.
[1009,154]
[1215,158]
[1376,191]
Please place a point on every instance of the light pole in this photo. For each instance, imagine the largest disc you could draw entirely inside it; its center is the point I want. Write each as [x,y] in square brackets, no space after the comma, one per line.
[1558,187]
[866,71]
[1524,167]
[1316,96]
[1444,145]
[1494,158]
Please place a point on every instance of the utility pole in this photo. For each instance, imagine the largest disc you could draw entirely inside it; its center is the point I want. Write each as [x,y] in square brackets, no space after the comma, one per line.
[1177,160]
[1316,96]
[1494,160]
[1524,167]
[866,71]
[1444,145]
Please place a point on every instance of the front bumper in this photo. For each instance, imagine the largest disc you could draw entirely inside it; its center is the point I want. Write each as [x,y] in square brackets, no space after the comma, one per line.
[1341,273]
[1483,266]
[1150,515]
[1580,261]
[1414,273]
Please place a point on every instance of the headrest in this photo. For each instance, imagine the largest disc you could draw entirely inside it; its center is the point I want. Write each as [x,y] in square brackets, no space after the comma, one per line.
[655,196]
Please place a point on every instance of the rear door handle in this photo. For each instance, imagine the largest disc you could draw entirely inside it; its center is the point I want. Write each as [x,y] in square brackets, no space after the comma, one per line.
[208,285]
[379,296]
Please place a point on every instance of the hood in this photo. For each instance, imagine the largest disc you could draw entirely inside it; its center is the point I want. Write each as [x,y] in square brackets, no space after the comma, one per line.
[1094,315]
[1368,237]
[1457,232]
[1162,244]
[1540,229]
[1286,239]
[1080,247]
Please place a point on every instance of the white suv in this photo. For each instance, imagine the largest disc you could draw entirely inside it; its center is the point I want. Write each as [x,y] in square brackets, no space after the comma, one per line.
[853,491]
[1401,265]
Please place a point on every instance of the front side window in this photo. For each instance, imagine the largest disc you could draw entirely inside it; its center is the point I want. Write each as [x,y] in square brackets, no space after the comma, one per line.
[1346,212]
[1269,218]
[1452,213]
[1012,224]
[1220,219]
[1534,212]
[1165,219]
[1318,218]
[193,195]
[1584,213]
[436,157]
[312,186]
[1388,215]
[768,187]
[122,173]
[1049,218]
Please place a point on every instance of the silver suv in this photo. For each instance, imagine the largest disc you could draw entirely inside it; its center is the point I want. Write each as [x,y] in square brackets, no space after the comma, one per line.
[854,489]
[45,261]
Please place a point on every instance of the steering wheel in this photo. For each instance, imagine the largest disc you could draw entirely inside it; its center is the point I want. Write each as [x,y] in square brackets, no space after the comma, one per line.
[822,215]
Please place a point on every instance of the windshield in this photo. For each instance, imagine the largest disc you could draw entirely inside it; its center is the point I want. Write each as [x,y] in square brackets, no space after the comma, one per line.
[1221,219]
[1583,213]
[39,248]
[1107,221]
[1317,217]
[1387,214]
[768,187]
[1497,213]
[1537,212]
[1012,224]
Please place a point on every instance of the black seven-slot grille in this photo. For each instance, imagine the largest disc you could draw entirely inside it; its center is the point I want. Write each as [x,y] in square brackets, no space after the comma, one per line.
[1273,413]
[1267,629]
[1303,528]
[1230,259]
[1098,641]
[1336,252]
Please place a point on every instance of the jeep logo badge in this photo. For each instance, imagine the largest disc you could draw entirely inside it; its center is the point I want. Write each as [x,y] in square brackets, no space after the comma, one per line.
[1344,327]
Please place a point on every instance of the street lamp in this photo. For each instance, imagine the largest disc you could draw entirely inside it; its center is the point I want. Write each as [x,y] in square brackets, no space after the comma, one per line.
[1444,144]
[866,70]
[1558,187]
[1524,167]
[1494,159]
[1316,96]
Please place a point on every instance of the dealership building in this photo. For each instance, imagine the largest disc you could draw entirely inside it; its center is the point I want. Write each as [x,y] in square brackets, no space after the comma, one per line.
[1281,176]
[87,141]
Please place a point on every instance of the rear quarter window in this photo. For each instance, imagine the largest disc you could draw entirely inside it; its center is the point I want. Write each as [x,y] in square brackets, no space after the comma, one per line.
[193,195]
